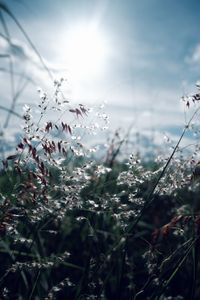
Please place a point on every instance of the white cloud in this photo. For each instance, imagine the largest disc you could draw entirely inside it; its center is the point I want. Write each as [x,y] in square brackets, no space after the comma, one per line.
[194,58]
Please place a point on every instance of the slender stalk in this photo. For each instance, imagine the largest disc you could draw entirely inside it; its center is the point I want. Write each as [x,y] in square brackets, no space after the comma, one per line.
[7,10]
[150,196]
[35,284]
[178,266]
[10,111]
[11,69]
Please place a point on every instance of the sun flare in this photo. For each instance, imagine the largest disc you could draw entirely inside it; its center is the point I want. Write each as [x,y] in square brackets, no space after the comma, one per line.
[85,51]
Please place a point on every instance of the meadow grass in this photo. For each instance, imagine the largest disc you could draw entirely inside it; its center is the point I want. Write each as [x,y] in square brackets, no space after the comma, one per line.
[76,227]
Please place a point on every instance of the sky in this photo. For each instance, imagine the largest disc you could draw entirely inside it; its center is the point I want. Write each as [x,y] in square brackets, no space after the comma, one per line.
[138,56]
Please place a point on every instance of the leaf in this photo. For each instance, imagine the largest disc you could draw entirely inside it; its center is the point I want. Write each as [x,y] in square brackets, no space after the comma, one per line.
[20,146]
[78,112]
[11,157]
[69,129]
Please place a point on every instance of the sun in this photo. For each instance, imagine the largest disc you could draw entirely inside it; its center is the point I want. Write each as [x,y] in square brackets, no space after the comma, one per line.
[85,51]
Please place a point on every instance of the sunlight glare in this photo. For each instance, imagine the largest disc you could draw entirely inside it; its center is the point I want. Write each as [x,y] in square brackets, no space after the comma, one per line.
[85,51]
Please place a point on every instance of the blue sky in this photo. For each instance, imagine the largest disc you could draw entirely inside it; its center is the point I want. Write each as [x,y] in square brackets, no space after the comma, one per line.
[154,36]
[152,58]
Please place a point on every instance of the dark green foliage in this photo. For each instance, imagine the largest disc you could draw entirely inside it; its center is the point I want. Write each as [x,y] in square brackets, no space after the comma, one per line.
[87,253]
